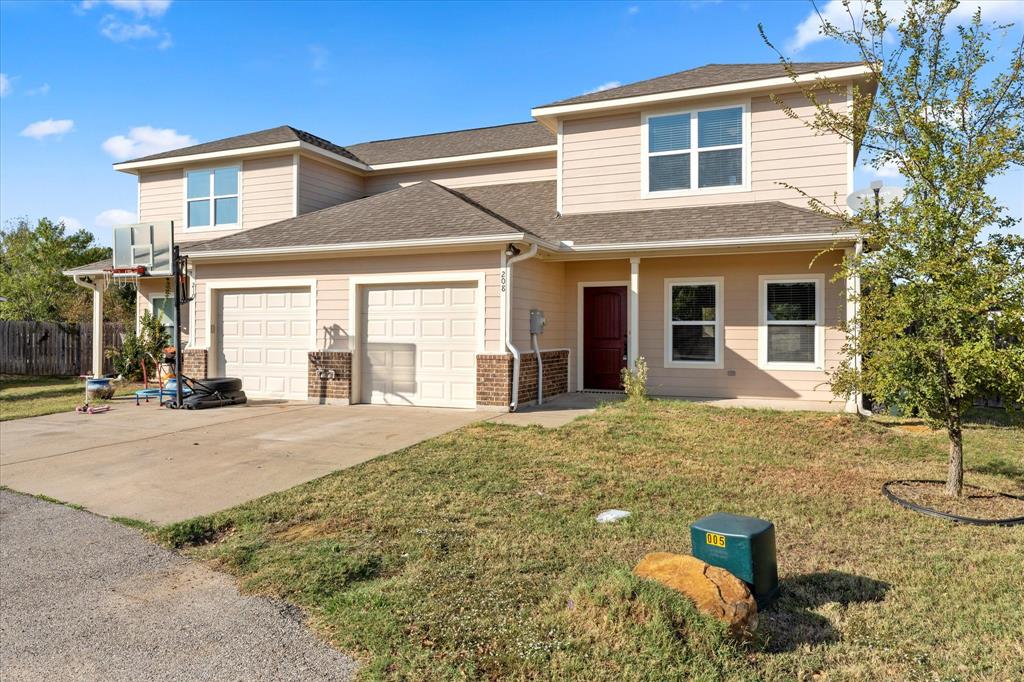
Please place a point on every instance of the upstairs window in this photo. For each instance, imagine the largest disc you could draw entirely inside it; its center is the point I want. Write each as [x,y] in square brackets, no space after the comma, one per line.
[212,197]
[694,151]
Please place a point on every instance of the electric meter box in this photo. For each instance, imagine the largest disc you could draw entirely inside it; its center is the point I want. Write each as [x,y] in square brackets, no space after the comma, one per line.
[742,545]
[537,321]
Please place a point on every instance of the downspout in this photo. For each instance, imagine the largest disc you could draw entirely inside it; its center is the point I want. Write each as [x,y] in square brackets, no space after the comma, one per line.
[858,249]
[514,403]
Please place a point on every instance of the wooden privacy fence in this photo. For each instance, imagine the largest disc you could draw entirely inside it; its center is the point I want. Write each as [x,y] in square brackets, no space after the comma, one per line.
[51,349]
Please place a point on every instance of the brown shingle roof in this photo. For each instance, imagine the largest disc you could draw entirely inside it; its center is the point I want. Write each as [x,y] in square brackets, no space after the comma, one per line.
[455,143]
[259,138]
[530,205]
[700,77]
[429,211]
[421,211]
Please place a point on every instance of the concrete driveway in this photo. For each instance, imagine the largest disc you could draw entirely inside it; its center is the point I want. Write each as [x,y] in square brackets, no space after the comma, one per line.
[161,465]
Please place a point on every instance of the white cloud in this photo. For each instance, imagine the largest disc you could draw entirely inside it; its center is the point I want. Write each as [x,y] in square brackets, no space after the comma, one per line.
[121,32]
[633,9]
[41,90]
[145,140]
[5,85]
[140,8]
[889,169]
[319,55]
[70,223]
[114,216]
[603,86]
[809,30]
[43,129]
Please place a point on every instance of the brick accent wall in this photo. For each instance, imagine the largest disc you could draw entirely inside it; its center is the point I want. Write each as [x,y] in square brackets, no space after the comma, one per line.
[494,377]
[494,380]
[194,362]
[323,389]
[556,374]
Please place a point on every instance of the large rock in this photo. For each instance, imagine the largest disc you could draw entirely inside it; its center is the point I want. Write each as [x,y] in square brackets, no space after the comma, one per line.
[714,590]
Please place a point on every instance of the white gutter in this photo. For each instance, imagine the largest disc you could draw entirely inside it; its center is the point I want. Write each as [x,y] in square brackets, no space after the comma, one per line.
[508,324]
[291,146]
[364,246]
[467,158]
[688,243]
[690,93]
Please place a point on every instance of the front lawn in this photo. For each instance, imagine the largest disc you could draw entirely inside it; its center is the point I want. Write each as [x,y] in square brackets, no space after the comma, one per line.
[22,396]
[475,555]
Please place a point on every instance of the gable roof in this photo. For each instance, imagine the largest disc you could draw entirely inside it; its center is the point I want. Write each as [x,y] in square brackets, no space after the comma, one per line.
[701,77]
[454,143]
[257,139]
[423,211]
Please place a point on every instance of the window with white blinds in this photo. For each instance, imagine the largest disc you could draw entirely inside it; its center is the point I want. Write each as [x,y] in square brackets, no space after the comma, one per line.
[694,151]
[791,323]
[694,323]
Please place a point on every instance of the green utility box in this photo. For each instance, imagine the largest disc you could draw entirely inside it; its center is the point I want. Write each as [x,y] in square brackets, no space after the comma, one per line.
[742,545]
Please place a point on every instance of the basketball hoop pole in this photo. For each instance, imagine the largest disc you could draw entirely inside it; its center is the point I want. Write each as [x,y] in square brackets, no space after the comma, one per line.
[175,272]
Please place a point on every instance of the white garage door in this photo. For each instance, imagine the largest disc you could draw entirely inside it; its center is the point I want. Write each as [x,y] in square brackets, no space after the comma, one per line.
[264,339]
[420,344]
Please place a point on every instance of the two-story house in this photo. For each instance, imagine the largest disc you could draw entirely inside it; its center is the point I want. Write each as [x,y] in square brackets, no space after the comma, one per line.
[651,220]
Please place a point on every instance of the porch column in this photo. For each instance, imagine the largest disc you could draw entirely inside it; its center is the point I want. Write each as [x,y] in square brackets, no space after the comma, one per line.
[634,313]
[97,327]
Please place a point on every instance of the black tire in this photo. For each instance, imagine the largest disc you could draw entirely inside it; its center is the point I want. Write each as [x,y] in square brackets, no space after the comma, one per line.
[218,385]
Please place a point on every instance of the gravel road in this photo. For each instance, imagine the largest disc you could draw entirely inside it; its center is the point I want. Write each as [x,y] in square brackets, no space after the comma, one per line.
[84,598]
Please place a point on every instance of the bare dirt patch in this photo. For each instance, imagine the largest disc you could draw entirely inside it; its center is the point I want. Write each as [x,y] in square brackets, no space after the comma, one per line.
[976,503]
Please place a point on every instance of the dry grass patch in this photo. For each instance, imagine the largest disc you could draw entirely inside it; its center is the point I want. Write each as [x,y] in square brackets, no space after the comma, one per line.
[475,554]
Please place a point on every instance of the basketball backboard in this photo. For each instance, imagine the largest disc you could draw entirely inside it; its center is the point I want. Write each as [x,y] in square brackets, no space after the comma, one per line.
[147,245]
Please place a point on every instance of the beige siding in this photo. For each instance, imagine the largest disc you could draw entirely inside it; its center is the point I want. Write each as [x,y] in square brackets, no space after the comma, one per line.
[267,190]
[602,160]
[741,298]
[160,286]
[538,284]
[332,278]
[322,185]
[267,195]
[500,173]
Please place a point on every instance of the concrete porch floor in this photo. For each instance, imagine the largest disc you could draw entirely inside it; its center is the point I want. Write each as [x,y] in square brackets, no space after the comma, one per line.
[162,465]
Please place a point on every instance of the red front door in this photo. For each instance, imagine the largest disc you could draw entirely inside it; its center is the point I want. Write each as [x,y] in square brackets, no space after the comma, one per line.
[604,337]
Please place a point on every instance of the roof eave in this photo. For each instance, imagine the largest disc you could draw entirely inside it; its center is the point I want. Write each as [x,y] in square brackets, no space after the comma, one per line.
[328,249]
[544,114]
[256,150]
[789,241]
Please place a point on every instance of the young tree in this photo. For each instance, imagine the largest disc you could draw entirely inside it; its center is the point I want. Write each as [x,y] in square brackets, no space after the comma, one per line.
[32,261]
[940,317]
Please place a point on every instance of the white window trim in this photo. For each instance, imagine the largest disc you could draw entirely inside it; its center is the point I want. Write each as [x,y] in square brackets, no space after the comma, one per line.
[719,323]
[211,198]
[694,190]
[152,306]
[819,323]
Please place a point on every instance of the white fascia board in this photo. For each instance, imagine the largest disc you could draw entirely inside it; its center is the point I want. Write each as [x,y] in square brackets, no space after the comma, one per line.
[244,151]
[468,158]
[675,95]
[698,243]
[361,246]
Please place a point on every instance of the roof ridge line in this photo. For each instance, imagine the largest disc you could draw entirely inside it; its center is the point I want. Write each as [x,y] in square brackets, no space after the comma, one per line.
[483,209]
[445,132]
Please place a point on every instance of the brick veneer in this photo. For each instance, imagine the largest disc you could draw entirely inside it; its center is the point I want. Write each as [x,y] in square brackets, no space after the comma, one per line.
[494,377]
[194,362]
[556,374]
[323,389]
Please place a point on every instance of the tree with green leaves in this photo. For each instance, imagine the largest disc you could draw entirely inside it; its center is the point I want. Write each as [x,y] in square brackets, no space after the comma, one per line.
[939,321]
[32,283]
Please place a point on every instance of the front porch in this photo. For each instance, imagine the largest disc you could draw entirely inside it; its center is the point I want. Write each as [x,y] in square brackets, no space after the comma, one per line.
[753,329]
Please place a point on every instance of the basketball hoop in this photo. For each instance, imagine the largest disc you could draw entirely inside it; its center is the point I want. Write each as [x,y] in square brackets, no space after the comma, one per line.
[124,277]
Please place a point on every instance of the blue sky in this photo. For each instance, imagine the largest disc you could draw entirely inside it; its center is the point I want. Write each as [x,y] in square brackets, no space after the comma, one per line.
[88,83]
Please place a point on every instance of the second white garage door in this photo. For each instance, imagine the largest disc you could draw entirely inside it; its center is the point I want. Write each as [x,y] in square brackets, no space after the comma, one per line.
[264,337]
[419,344]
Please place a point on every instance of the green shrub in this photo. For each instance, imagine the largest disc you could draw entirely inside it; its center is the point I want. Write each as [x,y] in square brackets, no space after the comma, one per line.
[635,382]
[144,346]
